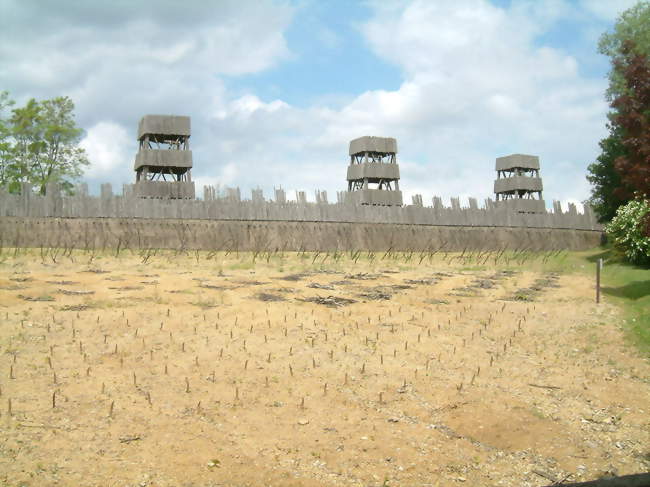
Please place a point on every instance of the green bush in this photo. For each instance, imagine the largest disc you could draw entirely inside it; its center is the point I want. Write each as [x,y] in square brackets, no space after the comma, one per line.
[627,231]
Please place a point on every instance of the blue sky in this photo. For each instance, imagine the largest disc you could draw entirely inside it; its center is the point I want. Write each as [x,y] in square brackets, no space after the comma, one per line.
[276,89]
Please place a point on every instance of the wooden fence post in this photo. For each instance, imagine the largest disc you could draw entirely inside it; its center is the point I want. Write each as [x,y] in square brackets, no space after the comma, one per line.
[599,266]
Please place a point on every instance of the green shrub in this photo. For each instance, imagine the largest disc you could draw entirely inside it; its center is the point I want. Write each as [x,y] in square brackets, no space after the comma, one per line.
[627,231]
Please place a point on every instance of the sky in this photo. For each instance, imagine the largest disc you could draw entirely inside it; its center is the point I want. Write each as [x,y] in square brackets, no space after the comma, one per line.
[277,89]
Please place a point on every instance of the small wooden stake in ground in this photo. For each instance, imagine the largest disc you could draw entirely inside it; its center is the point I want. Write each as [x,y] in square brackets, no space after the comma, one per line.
[53,399]
[187,385]
[9,407]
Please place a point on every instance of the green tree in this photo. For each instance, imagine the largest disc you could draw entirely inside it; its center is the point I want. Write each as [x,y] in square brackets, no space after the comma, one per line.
[609,191]
[604,177]
[5,138]
[46,145]
[633,118]
[627,231]
[632,25]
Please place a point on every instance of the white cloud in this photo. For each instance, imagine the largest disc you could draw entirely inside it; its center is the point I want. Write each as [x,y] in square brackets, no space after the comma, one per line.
[107,145]
[121,60]
[607,10]
[477,84]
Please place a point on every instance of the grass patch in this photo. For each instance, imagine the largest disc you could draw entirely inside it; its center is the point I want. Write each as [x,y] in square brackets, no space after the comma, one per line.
[629,287]
[622,284]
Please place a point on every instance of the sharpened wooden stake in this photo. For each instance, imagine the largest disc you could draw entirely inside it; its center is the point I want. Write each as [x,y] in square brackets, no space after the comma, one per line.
[110,410]
[187,385]
[53,399]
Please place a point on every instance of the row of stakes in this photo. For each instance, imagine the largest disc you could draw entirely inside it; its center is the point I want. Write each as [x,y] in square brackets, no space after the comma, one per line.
[236,392]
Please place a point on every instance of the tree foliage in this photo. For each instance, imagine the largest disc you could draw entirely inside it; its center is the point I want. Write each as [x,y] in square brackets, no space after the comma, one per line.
[604,177]
[632,25]
[626,46]
[633,117]
[39,144]
[5,137]
[628,231]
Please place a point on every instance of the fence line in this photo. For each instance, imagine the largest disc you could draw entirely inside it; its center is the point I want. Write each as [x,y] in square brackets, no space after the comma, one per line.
[227,204]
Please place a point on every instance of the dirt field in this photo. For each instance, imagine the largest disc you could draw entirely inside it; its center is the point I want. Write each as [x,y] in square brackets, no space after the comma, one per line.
[201,370]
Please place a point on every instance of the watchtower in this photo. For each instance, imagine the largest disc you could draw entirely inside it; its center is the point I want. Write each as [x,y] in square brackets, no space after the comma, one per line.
[518,185]
[373,173]
[163,165]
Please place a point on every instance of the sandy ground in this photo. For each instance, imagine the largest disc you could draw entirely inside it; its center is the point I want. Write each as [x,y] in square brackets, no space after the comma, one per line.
[197,371]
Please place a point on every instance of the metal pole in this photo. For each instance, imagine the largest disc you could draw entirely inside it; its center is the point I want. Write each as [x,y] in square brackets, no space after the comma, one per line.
[599,266]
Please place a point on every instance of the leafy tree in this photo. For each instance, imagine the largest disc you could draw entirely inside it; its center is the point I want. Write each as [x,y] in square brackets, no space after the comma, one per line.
[609,189]
[5,138]
[45,145]
[604,177]
[628,231]
[633,118]
[633,24]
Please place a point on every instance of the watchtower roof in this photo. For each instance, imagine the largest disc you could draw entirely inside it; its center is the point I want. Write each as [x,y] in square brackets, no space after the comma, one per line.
[178,125]
[382,145]
[517,161]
